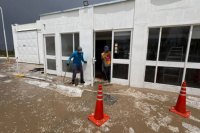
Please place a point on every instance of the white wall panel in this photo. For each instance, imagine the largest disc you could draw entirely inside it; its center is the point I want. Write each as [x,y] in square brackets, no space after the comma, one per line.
[114,16]
[173,12]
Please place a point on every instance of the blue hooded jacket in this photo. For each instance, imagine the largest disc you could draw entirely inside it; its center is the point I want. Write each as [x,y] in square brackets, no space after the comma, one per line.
[77,58]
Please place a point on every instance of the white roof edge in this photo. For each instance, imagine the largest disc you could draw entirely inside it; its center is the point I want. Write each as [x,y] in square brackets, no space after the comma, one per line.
[107,3]
[45,14]
[31,29]
[24,24]
[95,5]
[73,9]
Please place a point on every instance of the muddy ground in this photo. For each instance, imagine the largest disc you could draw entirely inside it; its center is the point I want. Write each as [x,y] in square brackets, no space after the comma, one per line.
[43,103]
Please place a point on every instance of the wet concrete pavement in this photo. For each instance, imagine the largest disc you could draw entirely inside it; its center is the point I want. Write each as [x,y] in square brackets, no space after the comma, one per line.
[32,105]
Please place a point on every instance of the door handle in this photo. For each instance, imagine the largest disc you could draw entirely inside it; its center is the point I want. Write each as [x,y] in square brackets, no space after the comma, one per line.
[93,60]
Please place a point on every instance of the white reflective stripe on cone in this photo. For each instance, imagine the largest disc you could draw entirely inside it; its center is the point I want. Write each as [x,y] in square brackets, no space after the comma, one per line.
[99,99]
[183,91]
[183,87]
[100,91]
[99,95]
[182,94]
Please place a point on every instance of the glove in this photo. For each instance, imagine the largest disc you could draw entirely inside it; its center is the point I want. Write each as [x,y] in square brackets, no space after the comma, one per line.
[85,62]
[67,64]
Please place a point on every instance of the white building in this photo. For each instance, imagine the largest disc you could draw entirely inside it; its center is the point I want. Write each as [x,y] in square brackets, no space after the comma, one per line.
[155,43]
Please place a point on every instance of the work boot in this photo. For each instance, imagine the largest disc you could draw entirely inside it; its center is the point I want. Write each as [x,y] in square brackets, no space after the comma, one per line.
[82,81]
[73,82]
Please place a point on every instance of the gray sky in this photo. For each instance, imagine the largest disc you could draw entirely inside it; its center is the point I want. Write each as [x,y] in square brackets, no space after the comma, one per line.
[28,11]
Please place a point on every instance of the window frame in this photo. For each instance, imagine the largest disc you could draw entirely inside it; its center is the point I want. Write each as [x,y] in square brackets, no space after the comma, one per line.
[185,64]
[67,57]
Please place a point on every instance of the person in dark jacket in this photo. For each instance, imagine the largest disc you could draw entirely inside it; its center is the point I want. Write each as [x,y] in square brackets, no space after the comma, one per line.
[77,64]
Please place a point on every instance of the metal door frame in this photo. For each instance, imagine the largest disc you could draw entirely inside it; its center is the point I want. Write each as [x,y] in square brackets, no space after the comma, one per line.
[49,56]
[68,74]
[121,61]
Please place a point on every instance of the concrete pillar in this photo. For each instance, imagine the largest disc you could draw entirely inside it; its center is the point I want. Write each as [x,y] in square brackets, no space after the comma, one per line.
[58,53]
[86,39]
[140,40]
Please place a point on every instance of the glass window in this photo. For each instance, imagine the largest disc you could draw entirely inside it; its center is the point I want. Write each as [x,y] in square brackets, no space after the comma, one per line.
[169,75]
[193,77]
[174,44]
[150,74]
[122,45]
[66,68]
[67,44]
[153,43]
[51,64]
[120,71]
[76,40]
[50,46]
[194,54]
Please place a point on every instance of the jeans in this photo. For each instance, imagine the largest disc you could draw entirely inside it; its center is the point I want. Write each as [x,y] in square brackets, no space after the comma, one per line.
[107,72]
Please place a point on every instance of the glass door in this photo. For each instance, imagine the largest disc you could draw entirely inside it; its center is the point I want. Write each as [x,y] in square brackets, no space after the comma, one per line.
[69,44]
[50,54]
[120,63]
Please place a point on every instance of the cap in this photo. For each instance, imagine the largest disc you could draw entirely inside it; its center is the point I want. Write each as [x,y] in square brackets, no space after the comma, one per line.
[79,49]
[106,47]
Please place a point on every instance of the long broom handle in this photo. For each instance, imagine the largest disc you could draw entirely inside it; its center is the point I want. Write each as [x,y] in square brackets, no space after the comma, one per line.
[64,76]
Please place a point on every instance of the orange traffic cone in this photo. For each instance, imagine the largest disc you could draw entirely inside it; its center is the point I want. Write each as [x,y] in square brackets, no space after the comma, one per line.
[180,107]
[99,117]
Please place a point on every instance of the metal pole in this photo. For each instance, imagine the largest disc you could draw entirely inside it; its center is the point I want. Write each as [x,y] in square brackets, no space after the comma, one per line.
[187,52]
[64,76]
[4,35]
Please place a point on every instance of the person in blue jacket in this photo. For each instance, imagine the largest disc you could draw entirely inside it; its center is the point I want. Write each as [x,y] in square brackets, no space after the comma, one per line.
[77,64]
